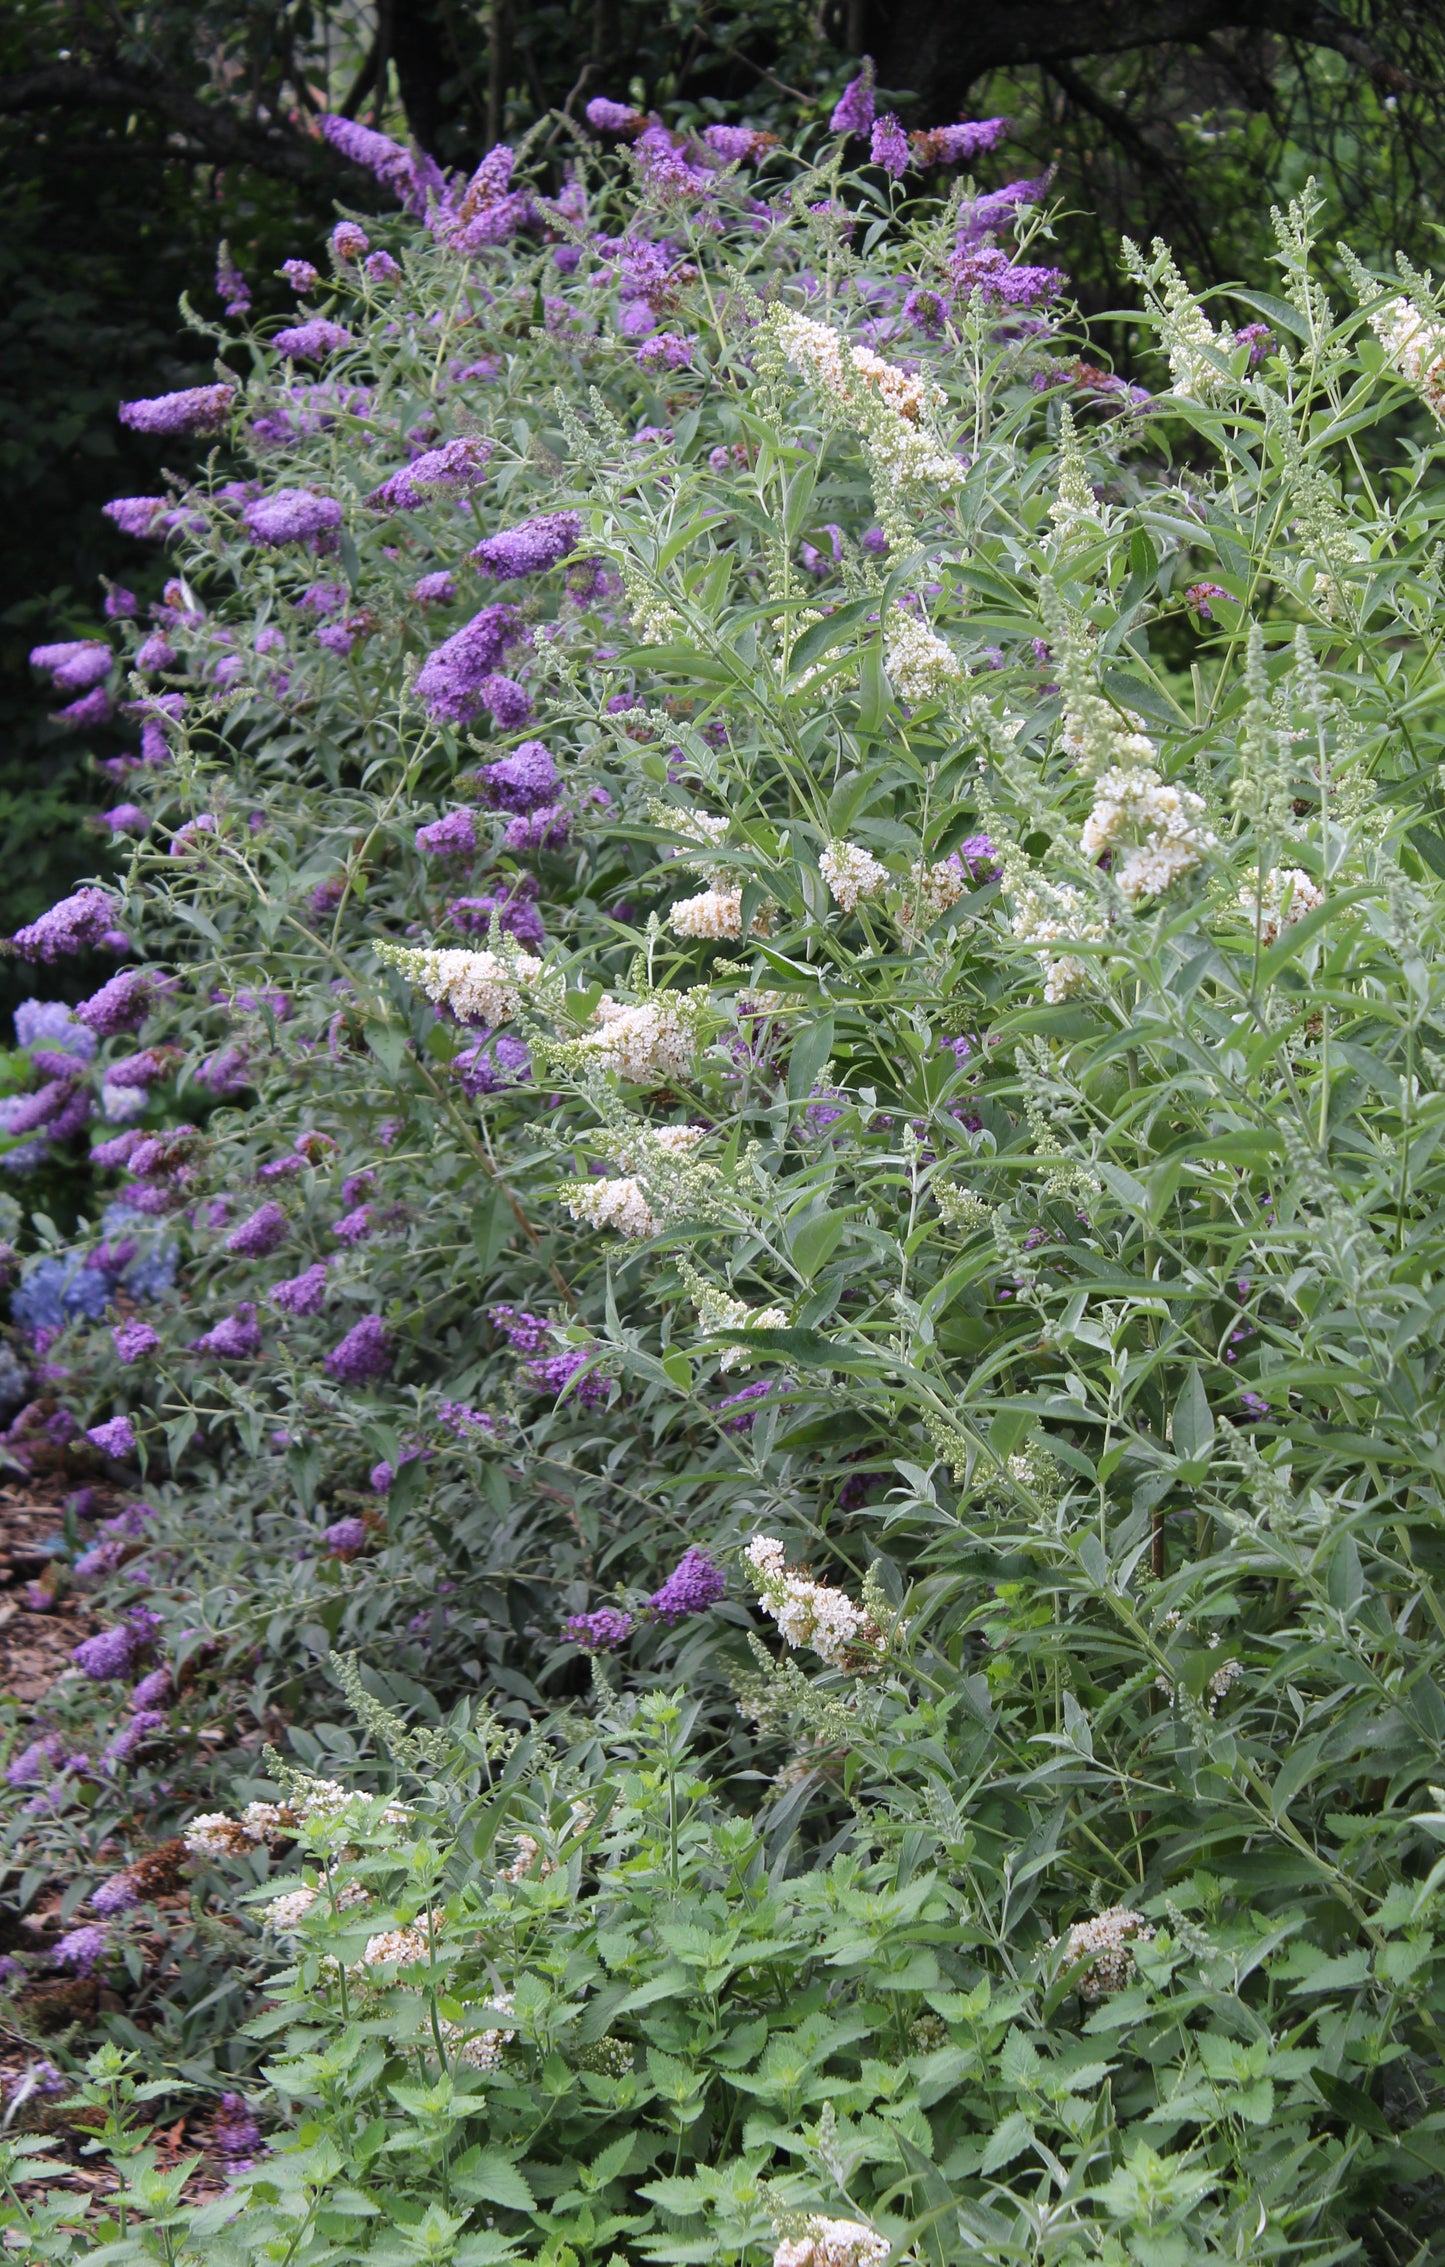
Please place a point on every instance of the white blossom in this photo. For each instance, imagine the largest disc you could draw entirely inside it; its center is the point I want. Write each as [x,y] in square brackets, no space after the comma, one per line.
[1055,913]
[482,2050]
[889,405]
[1416,346]
[1106,1942]
[812,1613]
[851,873]
[713,913]
[920,664]
[1289,895]
[479,987]
[833,2243]
[613,1204]
[650,1044]
[1153,829]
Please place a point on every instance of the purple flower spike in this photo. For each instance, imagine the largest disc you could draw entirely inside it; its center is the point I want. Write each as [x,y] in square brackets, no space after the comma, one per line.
[114,1438]
[291,515]
[855,108]
[263,1233]
[668,351]
[454,836]
[121,1005]
[693,1586]
[196,409]
[889,147]
[78,923]
[236,1338]
[115,1896]
[81,1948]
[614,117]
[453,681]
[109,1654]
[134,1340]
[527,780]
[303,1294]
[529,549]
[135,515]
[345,1538]
[364,1354]
[604,1631]
[311,342]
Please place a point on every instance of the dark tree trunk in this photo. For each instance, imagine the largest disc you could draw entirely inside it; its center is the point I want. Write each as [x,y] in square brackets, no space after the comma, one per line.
[936,49]
[417,44]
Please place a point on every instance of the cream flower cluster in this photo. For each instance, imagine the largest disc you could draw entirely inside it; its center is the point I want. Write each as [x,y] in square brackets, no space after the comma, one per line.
[649,1044]
[404,1947]
[1417,349]
[613,1204]
[483,2049]
[479,987]
[529,1849]
[920,665]
[716,1311]
[713,913]
[833,2243]
[933,891]
[1153,829]
[1106,1942]
[812,1613]
[1055,913]
[286,1912]
[888,404]
[851,873]
[1289,895]
[215,1834]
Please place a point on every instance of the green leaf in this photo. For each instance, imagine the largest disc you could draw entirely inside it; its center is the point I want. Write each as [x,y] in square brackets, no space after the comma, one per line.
[1006,2142]
[820,637]
[814,1240]
[1353,2104]
[808,1348]
[810,1052]
[1193,1425]
[489,2176]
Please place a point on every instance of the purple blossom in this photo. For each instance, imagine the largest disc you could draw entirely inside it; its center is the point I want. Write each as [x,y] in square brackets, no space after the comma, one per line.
[382,268]
[454,678]
[516,915]
[980,859]
[303,1294]
[117,1895]
[457,1418]
[142,1726]
[348,242]
[987,270]
[888,147]
[122,1004]
[263,1233]
[74,665]
[529,549]
[110,1154]
[409,174]
[135,515]
[927,311]
[353,1227]
[614,117]
[235,2133]
[1259,338]
[734,144]
[235,1338]
[143,1069]
[525,780]
[454,836]
[313,341]
[291,515]
[126,818]
[525,1333]
[337,637]
[547,829]
[91,708]
[189,836]
[120,604]
[668,351]
[33,1762]
[604,1631]
[665,164]
[134,1340]
[693,1586]
[854,111]
[998,207]
[1254,1407]
[505,701]
[196,409]
[492,1064]
[958,145]
[116,1437]
[323,598]
[437,589]
[460,467]
[301,276]
[345,1538]
[556,1372]
[742,1401]
[1197,598]
[155,1690]
[108,1654]
[365,1353]
[235,292]
[81,1948]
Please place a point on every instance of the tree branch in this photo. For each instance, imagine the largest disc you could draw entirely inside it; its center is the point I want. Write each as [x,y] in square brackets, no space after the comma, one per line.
[219,135]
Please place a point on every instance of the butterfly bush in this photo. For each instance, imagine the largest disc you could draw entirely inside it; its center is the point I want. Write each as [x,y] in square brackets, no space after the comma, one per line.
[1041,1095]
